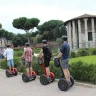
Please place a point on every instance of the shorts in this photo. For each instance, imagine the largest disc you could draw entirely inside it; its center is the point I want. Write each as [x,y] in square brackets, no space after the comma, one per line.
[10,63]
[28,64]
[64,64]
[46,62]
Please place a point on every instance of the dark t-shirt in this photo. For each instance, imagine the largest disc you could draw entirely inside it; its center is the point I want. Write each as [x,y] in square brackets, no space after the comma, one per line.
[65,49]
[45,51]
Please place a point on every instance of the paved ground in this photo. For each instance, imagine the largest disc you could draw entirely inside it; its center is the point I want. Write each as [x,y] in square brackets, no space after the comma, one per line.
[14,86]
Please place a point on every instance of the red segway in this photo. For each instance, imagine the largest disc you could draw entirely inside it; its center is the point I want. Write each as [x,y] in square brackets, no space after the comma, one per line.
[10,73]
[44,80]
[25,76]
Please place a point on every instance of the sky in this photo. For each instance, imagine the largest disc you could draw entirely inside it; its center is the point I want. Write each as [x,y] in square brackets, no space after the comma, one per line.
[44,10]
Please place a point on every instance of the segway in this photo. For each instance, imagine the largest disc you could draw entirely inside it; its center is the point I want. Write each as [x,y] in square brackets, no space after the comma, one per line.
[27,78]
[44,80]
[63,84]
[10,73]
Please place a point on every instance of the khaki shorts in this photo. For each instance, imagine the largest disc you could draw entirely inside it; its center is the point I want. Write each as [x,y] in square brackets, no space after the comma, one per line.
[28,64]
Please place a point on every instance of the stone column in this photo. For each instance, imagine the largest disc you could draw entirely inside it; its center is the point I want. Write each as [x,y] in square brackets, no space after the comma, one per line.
[74,35]
[69,35]
[86,33]
[80,34]
[93,31]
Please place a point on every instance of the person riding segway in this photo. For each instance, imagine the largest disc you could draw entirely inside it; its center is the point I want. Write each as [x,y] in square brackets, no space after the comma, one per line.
[29,75]
[65,83]
[48,76]
[8,54]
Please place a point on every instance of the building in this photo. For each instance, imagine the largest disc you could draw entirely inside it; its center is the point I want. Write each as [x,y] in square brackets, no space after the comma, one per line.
[81,31]
[2,42]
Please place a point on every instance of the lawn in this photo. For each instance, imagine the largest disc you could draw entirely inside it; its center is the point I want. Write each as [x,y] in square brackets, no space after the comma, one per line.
[87,59]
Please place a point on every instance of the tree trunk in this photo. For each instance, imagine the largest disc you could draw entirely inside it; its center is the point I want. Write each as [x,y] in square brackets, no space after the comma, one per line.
[28,37]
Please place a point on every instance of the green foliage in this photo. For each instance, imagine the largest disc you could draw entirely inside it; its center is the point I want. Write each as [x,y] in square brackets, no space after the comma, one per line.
[83,72]
[49,29]
[73,54]
[82,52]
[59,41]
[26,24]
[94,51]
[19,40]
[36,50]
[18,53]
[0,25]
[17,62]
[86,59]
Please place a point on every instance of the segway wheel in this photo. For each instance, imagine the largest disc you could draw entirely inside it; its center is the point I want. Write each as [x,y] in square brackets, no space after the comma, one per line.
[7,73]
[34,75]
[72,80]
[63,85]
[25,78]
[44,80]
[52,76]
[16,72]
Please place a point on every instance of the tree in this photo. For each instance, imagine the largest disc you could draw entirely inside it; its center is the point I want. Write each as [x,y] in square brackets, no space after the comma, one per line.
[49,28]
[59,31]
[0,25]
[26,24]
[19,40]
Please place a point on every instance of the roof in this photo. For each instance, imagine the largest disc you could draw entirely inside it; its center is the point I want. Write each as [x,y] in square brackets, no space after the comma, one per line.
[82,16]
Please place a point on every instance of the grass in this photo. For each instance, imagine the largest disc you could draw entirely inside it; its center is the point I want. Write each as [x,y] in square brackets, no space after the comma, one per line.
[86,59]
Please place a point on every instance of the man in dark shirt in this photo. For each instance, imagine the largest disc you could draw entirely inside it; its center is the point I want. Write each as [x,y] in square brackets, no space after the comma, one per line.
[64,53]
[47,57]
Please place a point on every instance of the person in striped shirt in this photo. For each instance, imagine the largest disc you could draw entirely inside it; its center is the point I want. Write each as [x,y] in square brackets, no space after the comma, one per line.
[28,59]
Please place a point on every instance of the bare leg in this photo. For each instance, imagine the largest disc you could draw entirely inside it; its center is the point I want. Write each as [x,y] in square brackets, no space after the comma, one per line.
[27,71]
[30,68]
[10,68]
[13,68]
[47,71]
[67,74]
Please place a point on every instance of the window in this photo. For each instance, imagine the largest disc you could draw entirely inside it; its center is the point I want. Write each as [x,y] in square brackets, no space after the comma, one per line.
[90,36]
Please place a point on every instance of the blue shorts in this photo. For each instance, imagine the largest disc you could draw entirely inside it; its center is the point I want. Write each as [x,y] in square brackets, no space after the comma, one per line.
[10,62]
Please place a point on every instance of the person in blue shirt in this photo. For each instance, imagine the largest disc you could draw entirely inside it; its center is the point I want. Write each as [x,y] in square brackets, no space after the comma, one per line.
[1,52]
[64,53]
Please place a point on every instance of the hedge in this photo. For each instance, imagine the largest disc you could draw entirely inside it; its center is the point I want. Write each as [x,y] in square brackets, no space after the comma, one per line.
[83,71]
[79,70]
[83,52]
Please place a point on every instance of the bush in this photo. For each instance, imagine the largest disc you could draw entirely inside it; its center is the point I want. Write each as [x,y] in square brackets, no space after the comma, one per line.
[73,54]
[94,51]
[17,62]
[82,52]
[18,53]
[83,71]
